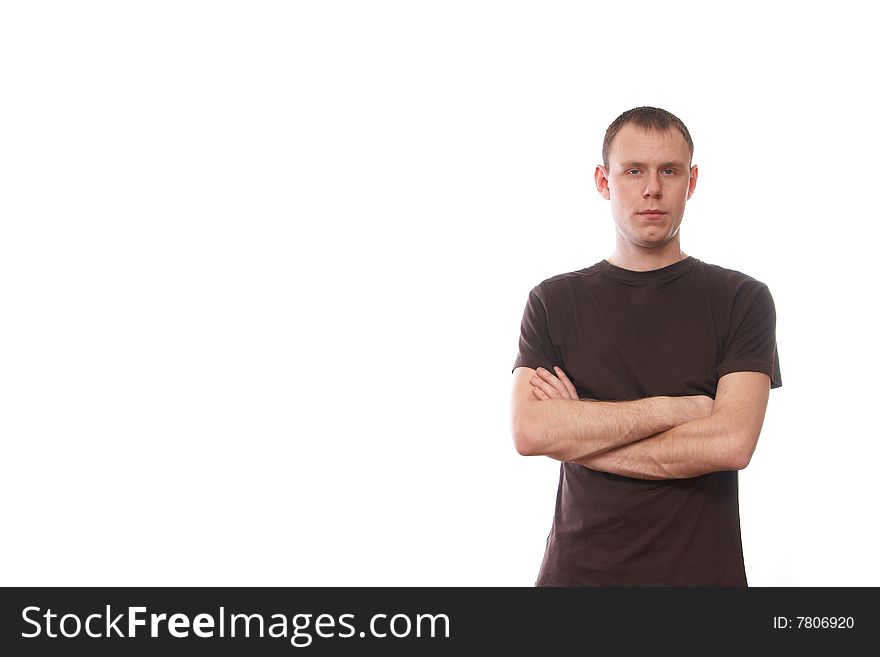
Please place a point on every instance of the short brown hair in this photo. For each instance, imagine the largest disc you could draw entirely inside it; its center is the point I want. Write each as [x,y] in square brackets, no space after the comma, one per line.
[647,118]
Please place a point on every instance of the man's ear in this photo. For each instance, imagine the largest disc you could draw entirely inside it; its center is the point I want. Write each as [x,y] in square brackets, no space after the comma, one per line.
[692,181]
[601,178]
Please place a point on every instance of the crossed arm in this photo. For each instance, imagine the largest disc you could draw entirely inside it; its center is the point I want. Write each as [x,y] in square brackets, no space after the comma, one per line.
[651,438]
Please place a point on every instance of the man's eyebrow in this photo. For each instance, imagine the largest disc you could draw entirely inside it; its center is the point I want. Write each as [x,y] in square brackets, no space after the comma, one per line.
[675,163]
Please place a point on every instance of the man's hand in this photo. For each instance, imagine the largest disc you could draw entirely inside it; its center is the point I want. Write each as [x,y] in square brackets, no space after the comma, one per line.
[546,385]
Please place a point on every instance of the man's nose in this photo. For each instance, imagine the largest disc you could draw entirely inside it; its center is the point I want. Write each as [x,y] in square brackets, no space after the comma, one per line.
[652,186]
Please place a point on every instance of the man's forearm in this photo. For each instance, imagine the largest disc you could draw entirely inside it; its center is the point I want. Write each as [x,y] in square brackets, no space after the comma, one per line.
[569,430]
[695,448]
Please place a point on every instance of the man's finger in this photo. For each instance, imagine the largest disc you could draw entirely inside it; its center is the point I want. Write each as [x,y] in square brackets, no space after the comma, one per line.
[539,393]
[566,382]
[550,391]
[553,386]
[551,379]
[563,385]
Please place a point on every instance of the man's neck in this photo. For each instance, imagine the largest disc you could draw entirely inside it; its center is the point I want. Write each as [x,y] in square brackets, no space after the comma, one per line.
[646,260]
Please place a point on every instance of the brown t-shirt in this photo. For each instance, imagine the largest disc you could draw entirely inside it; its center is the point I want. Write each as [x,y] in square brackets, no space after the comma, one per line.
[622,335]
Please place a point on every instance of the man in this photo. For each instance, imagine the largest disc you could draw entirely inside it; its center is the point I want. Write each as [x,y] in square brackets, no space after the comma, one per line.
[647,375]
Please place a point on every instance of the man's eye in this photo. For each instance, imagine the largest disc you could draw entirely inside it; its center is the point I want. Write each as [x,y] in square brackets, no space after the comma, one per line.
[633,171]
[669,172]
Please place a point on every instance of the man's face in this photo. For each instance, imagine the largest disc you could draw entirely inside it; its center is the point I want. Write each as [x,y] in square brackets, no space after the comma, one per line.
[648,181]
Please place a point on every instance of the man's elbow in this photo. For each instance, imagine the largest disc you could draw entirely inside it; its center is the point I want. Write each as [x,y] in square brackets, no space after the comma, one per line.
[739,461]
[741,450]
[526,435]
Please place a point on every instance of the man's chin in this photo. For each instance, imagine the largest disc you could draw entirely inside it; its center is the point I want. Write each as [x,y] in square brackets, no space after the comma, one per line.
[652,241]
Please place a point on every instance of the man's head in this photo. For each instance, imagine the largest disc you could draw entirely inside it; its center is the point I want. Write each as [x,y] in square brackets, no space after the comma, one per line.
[646,118]
[647,176]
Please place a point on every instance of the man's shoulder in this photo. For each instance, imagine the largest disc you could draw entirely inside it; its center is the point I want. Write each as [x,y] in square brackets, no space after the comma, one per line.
[561,281]
[729,278]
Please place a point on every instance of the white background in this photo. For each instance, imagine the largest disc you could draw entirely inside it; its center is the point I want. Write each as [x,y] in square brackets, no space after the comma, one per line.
[262,268]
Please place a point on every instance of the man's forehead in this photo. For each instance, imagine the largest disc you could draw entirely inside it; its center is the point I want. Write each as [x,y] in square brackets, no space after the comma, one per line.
[636,144]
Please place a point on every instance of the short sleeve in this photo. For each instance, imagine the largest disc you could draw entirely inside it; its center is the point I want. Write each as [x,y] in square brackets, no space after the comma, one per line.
[535,346]
[751,343]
